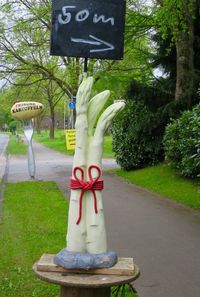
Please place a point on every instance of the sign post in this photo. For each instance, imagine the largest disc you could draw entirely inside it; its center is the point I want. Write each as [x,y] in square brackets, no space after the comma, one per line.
[64,124]
[72,115]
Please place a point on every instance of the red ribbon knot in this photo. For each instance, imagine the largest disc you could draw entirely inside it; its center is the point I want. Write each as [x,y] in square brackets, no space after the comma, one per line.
[92,185]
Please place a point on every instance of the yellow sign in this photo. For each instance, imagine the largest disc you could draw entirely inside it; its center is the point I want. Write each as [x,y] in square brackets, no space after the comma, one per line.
[70,139]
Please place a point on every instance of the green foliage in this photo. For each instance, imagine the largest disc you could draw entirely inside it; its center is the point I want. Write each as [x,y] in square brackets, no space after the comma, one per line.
[5,118]
[153,96]
[117,75]
[182,143]
[2,118]
[139,130]
[33,66]
[137,136]
[174,21]
[13,126]
[164,180]
[174,15]
[165,58]
[123,291]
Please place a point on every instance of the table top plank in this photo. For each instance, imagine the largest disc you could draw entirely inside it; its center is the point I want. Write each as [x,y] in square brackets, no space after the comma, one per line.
[124,266]
[83,279]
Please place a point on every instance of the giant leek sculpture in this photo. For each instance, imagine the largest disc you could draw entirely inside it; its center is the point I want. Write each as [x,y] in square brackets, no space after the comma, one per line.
[86,237]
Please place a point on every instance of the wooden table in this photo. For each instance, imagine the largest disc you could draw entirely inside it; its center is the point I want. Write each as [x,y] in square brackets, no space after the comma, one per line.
[85,285]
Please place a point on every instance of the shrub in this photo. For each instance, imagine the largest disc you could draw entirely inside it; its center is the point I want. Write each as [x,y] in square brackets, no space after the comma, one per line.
[137,136]
[13,126]
[182,143]
[139,130]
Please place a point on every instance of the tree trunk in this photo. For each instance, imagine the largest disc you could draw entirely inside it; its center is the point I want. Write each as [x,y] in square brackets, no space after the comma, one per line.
[185,59]
[52,124]
[38,124]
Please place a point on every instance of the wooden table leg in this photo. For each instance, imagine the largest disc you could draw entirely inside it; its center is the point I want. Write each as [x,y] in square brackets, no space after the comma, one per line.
[84,292]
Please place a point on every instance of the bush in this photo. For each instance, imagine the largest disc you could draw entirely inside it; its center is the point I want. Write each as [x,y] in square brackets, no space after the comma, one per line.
[139,130]
[13,126]
[137,136]
[182,143]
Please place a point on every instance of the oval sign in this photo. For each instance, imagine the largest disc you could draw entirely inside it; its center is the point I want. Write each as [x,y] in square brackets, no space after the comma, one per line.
[26,110]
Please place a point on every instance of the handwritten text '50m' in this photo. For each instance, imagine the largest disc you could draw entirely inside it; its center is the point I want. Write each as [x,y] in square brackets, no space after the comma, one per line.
[81,16]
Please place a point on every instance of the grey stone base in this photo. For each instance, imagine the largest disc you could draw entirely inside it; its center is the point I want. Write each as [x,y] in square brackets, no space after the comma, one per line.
[73,260]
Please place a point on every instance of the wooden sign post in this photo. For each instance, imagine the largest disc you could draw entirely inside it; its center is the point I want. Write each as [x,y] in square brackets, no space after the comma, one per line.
[88,28]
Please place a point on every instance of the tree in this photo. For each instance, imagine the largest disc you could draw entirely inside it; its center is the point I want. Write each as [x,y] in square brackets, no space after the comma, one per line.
[52,94]
[2,118]
[26,62]
[136,64]
[24,47]
[46,92]
[179,16]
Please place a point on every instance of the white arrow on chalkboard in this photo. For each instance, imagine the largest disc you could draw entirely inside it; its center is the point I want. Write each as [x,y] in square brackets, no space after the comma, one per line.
[95,41]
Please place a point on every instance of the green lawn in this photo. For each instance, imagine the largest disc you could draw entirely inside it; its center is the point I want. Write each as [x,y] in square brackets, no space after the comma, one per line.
[59,143]
[31,225]
[162,179]
[16,147]
[107,148]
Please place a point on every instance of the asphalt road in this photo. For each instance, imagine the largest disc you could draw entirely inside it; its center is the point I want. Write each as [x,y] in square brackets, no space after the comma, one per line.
[162,236]
[3,141]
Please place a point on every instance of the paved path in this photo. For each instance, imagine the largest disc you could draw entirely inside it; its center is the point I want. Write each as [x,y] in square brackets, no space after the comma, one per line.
[3,161]
[162,236]
[3,145]
[3,142]
[50,165]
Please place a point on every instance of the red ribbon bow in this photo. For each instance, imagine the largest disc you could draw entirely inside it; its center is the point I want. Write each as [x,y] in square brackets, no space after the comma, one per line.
[92,185]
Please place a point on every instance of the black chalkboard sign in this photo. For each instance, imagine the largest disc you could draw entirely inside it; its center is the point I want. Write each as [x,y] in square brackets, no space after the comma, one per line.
[88,28]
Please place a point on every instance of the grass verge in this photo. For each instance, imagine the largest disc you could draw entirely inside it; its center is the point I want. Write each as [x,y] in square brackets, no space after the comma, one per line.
[16,147]
[107,147]
[59,143]
[32,225]
[163,179]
